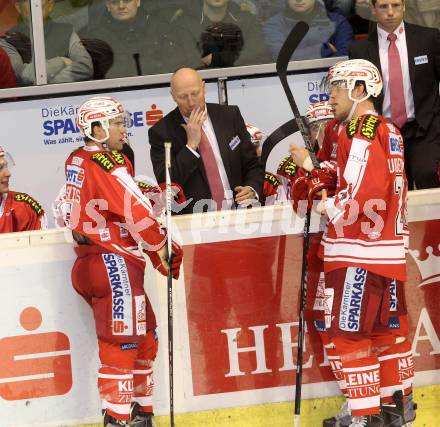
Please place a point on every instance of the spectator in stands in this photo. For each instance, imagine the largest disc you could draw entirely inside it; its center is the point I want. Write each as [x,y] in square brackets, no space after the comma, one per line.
[221,44]
[102,56]
[330,33]
[344,7]
[7,76]
[420,12]
[268,8]
[193,21]
[75,12]
[134,33]
[67,59]
[408,57]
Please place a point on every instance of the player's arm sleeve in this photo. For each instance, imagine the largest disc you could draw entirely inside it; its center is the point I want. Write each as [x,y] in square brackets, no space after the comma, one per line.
[363,180]
[125,199]
[30,218]
[183,163]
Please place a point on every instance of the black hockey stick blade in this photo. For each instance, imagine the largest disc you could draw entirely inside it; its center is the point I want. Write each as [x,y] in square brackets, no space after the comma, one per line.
[277,136]
[293,40]
[287,49]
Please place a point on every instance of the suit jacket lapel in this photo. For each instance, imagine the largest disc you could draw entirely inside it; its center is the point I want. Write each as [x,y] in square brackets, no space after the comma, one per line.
[180,133]
[219,127]
[373,49]
[373,52]
[411,45]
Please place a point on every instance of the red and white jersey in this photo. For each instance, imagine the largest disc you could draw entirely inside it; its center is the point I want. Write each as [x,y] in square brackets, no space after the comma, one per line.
[367,217]
[103,203]
[328,150]
[20,212]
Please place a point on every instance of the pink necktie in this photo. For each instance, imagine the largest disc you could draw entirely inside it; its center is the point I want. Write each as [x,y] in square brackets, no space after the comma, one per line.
[397,97]
[212,172]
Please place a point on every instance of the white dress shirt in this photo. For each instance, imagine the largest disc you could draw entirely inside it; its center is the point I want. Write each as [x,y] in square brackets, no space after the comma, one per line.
[403,53]
[212,139]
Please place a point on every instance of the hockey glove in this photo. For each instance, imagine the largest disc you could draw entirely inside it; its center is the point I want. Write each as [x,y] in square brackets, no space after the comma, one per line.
[287,168]
[319,180]
[271,184]
[159,260]
[298,192]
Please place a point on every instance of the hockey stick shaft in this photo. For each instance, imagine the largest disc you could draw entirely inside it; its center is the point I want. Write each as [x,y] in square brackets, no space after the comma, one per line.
[290,45]
[287,49]
[168,194]
[301,326]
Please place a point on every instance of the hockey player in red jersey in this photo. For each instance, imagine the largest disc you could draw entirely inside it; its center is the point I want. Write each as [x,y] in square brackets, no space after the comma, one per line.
[18,211]
[324,130]
[113,224]
[364,251]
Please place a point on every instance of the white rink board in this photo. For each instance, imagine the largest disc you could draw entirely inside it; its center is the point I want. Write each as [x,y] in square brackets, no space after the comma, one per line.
[35,269]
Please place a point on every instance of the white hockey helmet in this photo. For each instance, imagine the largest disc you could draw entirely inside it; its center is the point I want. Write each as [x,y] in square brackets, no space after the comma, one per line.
[317,111]
[6,157]
[351,71]
[99,109]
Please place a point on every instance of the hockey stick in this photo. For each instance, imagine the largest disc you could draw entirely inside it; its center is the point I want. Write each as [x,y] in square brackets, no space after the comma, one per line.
[275,137]
[293,40]
[287,49]
[169,198]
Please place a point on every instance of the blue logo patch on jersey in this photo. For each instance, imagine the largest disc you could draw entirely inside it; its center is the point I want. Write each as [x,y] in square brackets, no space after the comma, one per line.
[320,325]
[352,295]
[75,175]
[128,346]
[393,295]
[395,147]
[394,323]
[122,305]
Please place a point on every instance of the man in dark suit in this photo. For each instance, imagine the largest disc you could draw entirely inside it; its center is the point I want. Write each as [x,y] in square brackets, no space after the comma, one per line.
[213,159]
[408,57]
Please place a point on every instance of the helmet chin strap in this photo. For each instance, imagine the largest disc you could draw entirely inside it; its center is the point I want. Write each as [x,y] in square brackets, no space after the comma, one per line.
[352,110]
[356,102]
[102,140]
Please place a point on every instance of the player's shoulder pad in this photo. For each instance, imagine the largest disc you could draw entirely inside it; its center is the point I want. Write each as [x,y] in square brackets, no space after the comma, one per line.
[119,158]
[270,177]
[365,126]
[108,161]
[287,167]
[353,126]
[25,198]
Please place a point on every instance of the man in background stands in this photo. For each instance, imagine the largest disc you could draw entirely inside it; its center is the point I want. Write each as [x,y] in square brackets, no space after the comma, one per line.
[408,57]
[67,60]
[193,20]
[141,41]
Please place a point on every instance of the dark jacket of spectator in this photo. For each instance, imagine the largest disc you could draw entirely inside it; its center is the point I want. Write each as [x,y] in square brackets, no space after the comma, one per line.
[7,76]
[146,35]
[192,22]
[325,28]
